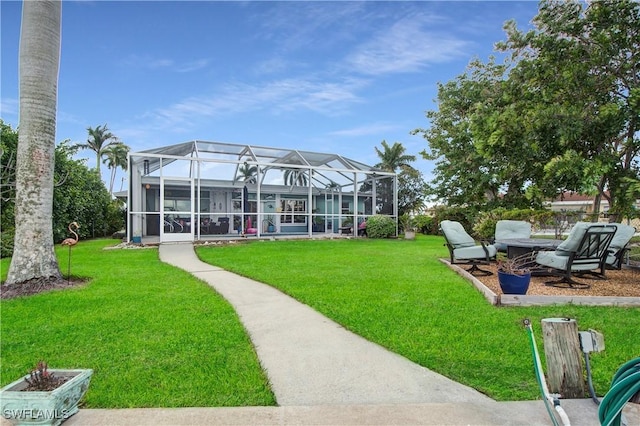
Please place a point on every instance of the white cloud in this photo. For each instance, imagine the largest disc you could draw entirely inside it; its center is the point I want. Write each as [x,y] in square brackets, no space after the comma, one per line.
[407,46]
[280,96]
[298,25]
[151,63]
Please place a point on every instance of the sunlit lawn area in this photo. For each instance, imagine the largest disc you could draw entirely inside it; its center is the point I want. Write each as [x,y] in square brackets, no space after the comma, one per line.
[155,335]
[397,293]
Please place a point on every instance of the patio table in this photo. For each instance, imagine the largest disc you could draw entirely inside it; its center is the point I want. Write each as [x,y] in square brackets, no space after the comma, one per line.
[520,246]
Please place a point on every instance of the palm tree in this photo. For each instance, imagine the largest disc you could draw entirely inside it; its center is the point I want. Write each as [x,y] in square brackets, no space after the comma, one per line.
[295,177]
[115,155]
[393,157]
[33,255]
[99,140]
[247,173]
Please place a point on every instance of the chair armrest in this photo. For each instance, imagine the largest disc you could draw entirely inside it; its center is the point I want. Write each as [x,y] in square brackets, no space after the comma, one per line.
[486,250]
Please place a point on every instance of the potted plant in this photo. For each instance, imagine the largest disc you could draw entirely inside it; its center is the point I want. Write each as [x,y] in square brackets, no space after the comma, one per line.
[514,274]
[318,222]
[271,223]
[346,226]
[45,396]
[408,225]
[137,236]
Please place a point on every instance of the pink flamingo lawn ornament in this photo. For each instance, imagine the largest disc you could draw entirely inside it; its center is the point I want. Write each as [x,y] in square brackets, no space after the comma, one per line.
[71,242]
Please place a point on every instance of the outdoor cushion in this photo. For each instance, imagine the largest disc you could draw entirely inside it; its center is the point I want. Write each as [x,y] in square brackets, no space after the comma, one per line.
[573,240]
[623,234]
[587,254]
[553,260]
[510,229]
[475,252]
[456,235]
[462,247]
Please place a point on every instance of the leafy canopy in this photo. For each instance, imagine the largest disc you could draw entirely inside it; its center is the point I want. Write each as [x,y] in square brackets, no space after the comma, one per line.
[559,114]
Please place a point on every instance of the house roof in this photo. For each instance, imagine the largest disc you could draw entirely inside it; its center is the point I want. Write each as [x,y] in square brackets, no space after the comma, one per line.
[265,157]
[570,196]
[259,154]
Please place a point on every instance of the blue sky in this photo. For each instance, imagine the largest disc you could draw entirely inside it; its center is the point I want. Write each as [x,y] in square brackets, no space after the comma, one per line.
[322,76]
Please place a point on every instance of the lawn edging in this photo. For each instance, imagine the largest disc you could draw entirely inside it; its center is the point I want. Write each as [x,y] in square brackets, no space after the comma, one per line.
[532,300]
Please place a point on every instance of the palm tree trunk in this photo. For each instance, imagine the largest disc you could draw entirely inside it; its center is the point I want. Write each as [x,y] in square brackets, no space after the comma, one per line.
[98,168]
[113,179]
[33,255]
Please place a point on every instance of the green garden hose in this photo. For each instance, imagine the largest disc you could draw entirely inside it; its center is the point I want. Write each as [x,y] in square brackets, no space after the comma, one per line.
[547,398]
[625,384]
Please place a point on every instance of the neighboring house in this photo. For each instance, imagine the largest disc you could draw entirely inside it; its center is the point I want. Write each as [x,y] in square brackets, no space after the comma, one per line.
[574,202]
[206,190]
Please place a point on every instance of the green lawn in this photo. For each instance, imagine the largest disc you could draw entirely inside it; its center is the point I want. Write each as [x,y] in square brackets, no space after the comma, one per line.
[397,293]
[155,335]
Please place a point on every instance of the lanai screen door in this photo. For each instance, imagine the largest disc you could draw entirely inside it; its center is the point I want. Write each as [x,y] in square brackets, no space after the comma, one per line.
[176,204]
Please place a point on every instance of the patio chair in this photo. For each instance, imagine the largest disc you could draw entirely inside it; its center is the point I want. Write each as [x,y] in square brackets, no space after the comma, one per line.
[619,245]
[223,227]
[584,250]
[463,248]
[509,230]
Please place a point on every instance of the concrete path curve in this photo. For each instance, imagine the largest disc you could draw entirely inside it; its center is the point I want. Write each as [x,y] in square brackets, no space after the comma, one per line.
[311,360]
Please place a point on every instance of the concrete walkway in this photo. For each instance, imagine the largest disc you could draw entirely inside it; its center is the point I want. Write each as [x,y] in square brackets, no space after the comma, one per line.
[323,374]
[311,360]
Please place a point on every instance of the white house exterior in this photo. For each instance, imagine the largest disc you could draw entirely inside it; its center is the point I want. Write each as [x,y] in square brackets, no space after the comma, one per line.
[201,190]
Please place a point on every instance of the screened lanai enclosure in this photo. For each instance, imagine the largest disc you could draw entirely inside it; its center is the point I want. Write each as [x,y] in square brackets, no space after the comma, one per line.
[211,190]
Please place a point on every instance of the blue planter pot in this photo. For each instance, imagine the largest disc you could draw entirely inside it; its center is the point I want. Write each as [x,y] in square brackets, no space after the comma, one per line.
[514,284]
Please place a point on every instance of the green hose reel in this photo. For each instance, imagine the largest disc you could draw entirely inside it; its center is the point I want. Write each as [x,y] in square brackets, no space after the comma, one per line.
[625,384]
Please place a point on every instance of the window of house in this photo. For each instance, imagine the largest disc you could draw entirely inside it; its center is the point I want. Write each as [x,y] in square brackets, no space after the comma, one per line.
[293,211]
[346,207]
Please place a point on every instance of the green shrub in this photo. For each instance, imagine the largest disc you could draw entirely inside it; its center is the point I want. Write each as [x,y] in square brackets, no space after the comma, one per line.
[6,242]
[425,224]
[465,215]
[406,223]
[381,227]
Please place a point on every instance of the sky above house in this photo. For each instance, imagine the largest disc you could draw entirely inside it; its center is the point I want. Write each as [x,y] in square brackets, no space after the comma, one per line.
[335,77]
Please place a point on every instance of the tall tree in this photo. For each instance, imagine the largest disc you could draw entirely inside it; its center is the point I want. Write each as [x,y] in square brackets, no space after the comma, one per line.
[393,157]
[463,174]
[115,156]
[33,256]
[98,141]
[78,195]
[582,61]
[411,191]
[561,113]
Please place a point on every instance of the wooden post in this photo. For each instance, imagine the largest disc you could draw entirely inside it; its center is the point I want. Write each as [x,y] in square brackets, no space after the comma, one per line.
[564,362]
